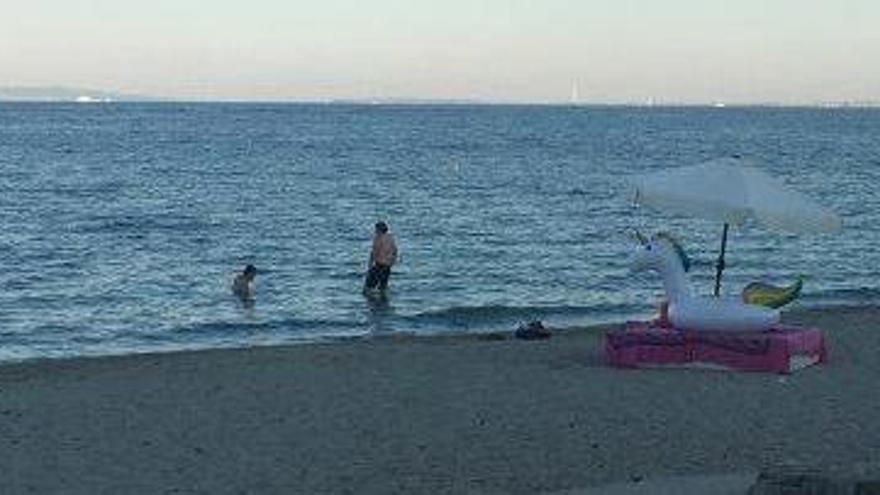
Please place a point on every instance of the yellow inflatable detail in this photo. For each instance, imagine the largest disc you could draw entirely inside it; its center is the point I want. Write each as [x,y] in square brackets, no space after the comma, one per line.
[771,296]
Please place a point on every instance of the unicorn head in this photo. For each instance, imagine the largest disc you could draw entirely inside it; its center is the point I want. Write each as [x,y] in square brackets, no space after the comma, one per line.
[663,253]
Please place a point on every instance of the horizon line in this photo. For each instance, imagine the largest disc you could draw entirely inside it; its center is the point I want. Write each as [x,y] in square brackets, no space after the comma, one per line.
[85,99]
[61,94]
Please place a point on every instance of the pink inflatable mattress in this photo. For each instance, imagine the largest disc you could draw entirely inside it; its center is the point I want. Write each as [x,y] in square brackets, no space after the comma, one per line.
[782,349]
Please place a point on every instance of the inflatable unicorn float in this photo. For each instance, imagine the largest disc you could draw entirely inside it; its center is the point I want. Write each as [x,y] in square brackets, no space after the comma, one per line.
[755,311]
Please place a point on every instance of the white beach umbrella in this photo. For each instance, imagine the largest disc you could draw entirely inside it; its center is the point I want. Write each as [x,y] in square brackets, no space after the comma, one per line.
[731,191]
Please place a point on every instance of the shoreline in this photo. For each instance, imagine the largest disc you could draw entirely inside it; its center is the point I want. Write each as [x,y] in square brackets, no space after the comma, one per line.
[402,336]
[395,336]
[428,414]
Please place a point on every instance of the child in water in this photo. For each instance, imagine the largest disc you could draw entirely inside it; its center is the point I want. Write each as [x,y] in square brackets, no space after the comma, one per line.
[243,285]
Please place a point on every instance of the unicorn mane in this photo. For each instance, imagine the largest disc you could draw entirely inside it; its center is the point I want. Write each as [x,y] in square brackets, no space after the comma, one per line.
[677,247]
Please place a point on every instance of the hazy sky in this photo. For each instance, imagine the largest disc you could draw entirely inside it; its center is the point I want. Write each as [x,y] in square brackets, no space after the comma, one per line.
[783,51]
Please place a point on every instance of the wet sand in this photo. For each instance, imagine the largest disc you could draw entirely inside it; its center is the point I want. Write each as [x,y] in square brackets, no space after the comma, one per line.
[469,414]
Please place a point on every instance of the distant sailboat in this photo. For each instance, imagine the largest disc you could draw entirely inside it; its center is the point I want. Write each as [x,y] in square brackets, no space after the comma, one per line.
[91,99]
[575,98]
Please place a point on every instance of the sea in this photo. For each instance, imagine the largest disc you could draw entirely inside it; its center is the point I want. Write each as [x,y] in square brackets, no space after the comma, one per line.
[123,223]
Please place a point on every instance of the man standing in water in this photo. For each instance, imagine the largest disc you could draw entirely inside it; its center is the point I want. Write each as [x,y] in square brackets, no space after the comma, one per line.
[382,256]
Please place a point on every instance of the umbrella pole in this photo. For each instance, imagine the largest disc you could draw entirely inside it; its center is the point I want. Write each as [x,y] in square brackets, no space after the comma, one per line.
[720,266]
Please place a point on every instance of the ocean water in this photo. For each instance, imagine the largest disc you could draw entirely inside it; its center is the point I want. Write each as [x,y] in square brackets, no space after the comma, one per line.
[122,224]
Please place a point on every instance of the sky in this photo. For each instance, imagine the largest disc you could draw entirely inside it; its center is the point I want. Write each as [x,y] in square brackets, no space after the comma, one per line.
[614,51]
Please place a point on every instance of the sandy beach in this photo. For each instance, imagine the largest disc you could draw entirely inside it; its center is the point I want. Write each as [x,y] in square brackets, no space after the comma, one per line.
[428,415]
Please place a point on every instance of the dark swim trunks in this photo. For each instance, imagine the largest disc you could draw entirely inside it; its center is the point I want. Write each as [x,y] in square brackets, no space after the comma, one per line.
[378,276]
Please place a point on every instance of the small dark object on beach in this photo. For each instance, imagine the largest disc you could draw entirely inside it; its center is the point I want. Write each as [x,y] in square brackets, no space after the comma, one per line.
[533,330]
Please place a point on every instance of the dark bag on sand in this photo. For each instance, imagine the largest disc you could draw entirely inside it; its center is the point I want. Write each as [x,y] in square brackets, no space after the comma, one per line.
[533,330]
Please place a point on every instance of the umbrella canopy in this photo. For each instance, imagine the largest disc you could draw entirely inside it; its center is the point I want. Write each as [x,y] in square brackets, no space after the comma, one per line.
[730,191]
[733,192]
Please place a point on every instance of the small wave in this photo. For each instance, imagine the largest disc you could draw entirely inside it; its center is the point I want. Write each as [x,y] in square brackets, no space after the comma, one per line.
[292,326]
[127,223]
[854,295]
[493,317]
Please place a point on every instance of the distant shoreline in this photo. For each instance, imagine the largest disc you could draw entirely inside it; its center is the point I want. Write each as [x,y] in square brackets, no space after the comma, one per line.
[356,103]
